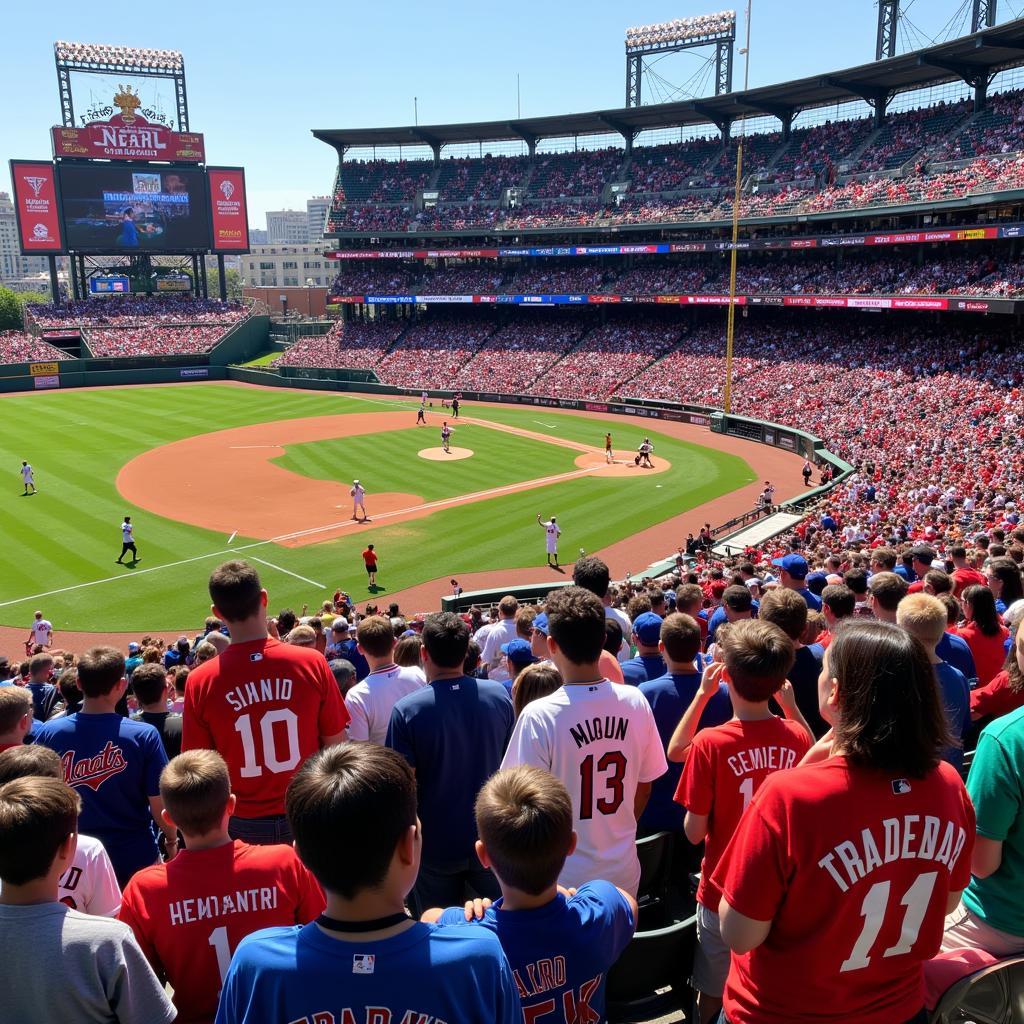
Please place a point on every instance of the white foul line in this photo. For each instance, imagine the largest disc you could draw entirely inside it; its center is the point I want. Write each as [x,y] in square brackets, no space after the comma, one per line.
[551,425]
[288,572]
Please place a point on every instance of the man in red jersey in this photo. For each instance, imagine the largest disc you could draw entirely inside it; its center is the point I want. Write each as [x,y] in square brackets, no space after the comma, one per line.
[189,915]
[263,705]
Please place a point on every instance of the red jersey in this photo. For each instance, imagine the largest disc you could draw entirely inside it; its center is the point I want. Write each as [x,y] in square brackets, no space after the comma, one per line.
[190,913]
[263,705]
[370,558]
[853,868]
[988,651]
[996,698]
[965,577]
[724,768]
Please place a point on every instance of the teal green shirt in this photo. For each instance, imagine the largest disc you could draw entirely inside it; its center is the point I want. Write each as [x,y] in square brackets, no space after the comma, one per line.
[995,787]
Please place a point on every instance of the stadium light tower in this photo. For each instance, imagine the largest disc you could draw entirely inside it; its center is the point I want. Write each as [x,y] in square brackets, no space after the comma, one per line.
[718,30]
[888,20]
[731,315]
[983,15]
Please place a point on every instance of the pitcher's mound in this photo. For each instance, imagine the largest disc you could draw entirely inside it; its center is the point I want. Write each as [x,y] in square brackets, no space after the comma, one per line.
[622,466]
[440,455]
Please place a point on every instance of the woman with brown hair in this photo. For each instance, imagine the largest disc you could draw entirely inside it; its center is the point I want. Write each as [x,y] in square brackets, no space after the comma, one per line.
[1005,693]
[537,680]
[984,632]
[838,879]
[1004,580]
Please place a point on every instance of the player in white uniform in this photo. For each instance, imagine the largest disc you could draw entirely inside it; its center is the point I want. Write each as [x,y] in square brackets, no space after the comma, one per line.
[27,478]
[127,541]
[643,457]
[358,498]
[598,737]
[42,631]
[446,437]
[553,531]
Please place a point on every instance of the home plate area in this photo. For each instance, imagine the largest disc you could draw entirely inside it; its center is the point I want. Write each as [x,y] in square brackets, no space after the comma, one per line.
[440,455]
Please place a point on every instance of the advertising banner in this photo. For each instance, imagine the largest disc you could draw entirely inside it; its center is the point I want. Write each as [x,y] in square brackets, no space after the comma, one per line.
[43,369]
[36,209]
[109,285]
[128,136]
[229,220]
[46,382]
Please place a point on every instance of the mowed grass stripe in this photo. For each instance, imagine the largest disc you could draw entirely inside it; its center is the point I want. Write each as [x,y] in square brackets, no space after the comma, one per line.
[71,536]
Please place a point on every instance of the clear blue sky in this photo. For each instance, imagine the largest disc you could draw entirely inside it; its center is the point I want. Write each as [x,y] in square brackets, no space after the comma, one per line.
[261,75]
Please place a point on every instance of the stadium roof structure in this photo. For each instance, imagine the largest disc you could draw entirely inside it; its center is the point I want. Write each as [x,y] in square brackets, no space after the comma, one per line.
[972,58]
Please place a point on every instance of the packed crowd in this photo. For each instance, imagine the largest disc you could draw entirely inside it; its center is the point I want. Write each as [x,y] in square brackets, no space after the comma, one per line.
[384,181]
[22,347]
[155,340]
[129,311]
[481,178]
[435,348]
[355,345]
[581,173]
[905,134]
[997,130]
[790,724]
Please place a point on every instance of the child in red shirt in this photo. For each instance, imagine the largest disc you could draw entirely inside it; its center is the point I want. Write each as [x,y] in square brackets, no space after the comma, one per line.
[725,765]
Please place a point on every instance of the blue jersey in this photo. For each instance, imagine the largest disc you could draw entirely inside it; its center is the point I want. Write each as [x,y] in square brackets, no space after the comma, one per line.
[560,952]
[955,651]
[956,698]
[669,696]
[454,733]
[804,677]
[641,668]
[114,765]
[427,973]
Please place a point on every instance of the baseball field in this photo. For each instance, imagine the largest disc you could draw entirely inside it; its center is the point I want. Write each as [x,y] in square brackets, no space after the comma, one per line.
[211,470]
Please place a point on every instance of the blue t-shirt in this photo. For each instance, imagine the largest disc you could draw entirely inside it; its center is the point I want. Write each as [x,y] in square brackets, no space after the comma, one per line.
[956,698]
[811,599]
[955,651]
[669,696]
[905,572]
[560,953]
[349,650]
[44,696]
[804,677]
[454,733]
[426,973]
[114,765]
[641,668]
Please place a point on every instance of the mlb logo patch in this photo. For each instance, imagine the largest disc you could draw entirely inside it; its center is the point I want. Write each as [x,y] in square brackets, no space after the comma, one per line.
[256,657]
[362,963]
[900,786]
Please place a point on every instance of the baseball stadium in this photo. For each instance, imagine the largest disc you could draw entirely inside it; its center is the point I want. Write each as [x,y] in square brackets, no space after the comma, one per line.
[626,528]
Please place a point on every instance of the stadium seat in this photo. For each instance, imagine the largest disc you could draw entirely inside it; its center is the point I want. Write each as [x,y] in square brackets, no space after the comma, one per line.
[652,976]
[655,854]
[993,995]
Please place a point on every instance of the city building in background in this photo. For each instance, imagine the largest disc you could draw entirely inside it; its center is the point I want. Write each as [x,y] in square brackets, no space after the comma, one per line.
[284,266]
[287,227]
[316,215]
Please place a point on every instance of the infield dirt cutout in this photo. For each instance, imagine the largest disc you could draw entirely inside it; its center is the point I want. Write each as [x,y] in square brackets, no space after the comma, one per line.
[226,480]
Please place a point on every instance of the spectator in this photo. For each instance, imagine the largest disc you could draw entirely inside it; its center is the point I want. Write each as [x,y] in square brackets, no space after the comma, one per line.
[103,974]
[648,663]
[361,789]
[343,645]
[535,681]
[263,705]
[756,658]
[89,884]
[924,617]
[793,576]
[15,716]
[114,764]
[1004,580]
[344,674]
[371,701]
[595,731]
[792,909]
[429,728]
[491,637]
[186,914]
[44,693]
[669,696]
[1003,694]
[983,632]
[524,818]
[151,690]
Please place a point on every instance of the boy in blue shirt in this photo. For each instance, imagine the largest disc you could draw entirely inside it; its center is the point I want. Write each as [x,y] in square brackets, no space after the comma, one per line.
[113,764]
[352,810]
[560,946]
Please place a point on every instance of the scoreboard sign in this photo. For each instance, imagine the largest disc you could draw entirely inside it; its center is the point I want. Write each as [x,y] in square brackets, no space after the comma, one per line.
[36,209]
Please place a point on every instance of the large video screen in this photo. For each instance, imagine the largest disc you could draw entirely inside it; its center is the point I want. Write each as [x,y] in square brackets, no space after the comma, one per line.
[115,209]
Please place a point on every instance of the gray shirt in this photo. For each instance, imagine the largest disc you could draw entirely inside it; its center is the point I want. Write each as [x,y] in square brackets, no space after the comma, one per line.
[101,973]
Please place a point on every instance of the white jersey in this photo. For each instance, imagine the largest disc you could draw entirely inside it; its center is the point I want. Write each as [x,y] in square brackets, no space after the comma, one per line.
[26,474]
[358,494]
[501,632]
[601,740]
[370,701]
[41,630]
[553,532]
[126,533]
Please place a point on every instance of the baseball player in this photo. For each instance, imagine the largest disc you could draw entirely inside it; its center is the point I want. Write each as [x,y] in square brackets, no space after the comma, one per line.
[27,478]
[127,541]
[421,414]
[358,500]
[608,454]
[446,437]
[643,457]
[553,531]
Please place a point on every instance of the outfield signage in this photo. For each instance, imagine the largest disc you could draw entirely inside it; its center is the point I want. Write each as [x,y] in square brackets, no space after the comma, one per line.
[43,369]
[36,209]
[44,383]
[972,233]
[128,136]
[920,303]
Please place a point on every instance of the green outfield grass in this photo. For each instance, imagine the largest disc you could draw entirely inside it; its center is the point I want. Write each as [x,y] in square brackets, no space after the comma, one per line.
[60,545]
[264,360]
